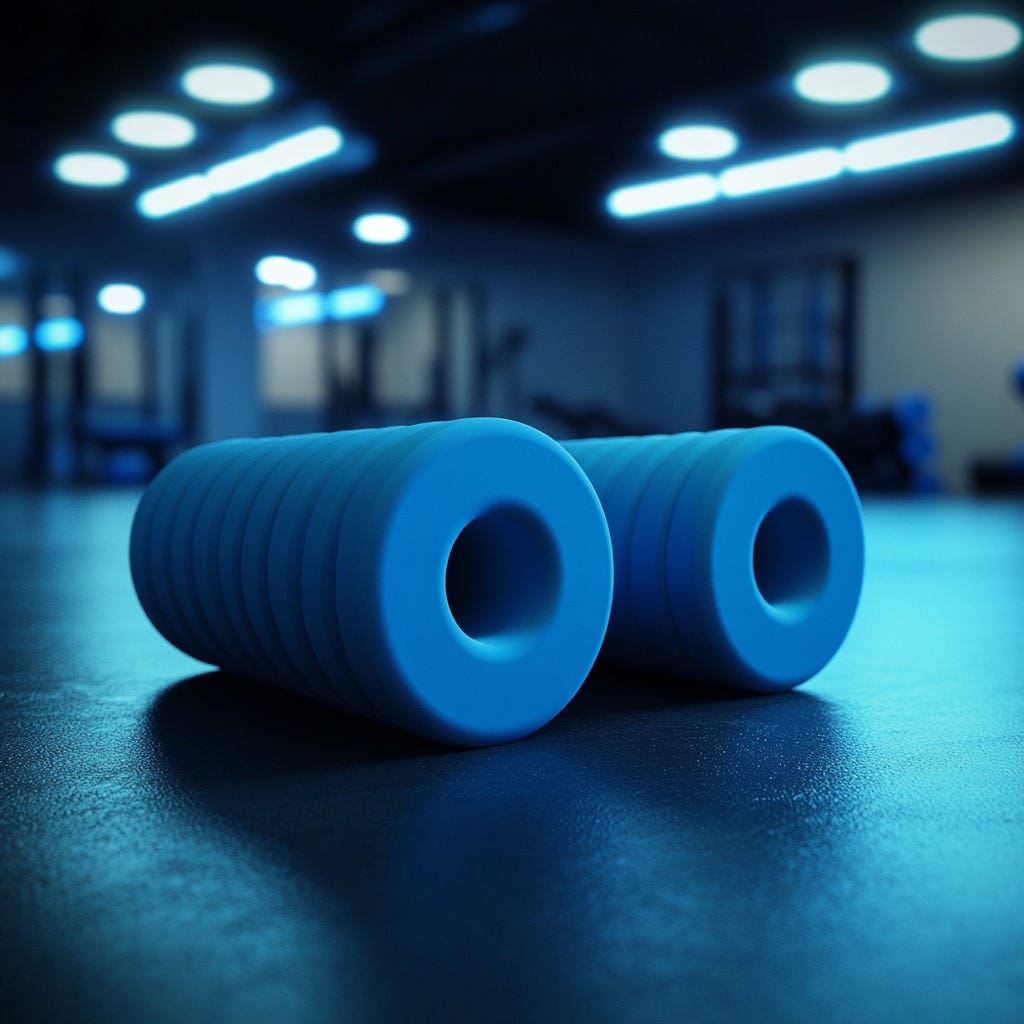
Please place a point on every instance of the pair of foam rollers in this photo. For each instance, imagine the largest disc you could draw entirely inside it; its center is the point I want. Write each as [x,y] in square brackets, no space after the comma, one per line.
[458,580]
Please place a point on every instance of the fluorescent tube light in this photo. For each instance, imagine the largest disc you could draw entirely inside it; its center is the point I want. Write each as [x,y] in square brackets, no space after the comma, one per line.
[280,157]
[929,142]
[806,168]
[666,194]
[174,196]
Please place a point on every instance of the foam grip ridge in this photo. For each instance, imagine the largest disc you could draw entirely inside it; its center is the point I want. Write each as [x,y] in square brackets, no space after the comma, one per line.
[450,579]
[739,554]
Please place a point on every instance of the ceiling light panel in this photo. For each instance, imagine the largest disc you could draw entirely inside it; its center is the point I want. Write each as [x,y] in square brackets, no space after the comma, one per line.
[231,85]
[698,142]
[121,299]
[929,142]
[241,172]
[153,129]
[91,169]
[806,168]
[381,228]
[842,82]
[968,37]
[666,194]
[285,272]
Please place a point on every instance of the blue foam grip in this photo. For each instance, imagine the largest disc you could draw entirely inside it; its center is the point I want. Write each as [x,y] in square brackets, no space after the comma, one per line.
[450,579]
[739,554]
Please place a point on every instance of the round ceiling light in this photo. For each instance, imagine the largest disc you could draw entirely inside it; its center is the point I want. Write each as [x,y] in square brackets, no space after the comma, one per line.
[381,228]
[92,170]
[698,142]
[121,299]
[285,272]
[153,129]
[968,37]
[842,81]
[232,85]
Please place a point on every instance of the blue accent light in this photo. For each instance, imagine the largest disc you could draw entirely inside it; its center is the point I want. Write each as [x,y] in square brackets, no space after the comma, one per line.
[8,263]
[349,303]
[356,301]
[58,333]
[13,339]
[290,311]
[930,142]
[285,155]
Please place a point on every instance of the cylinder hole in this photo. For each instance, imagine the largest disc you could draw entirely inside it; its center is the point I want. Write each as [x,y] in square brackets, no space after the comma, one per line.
[791,556]
[503,576]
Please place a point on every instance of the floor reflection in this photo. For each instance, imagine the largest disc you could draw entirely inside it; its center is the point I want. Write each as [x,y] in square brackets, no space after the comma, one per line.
[615,857]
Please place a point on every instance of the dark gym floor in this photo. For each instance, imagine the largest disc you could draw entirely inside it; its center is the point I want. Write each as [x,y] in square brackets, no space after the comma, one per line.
[181,846]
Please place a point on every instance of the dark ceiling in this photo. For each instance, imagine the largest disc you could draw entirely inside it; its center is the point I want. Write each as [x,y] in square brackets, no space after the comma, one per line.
[525,110]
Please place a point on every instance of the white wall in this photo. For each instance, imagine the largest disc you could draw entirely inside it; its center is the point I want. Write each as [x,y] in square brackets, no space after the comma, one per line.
[942,309]
[14,370]
[115,363]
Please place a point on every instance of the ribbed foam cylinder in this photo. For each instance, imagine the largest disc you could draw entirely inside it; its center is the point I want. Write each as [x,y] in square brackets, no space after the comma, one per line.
[451,579]
[739,554]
